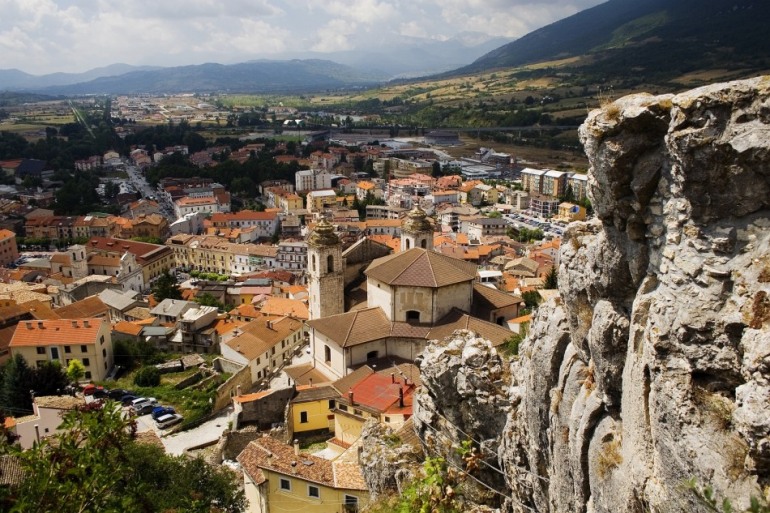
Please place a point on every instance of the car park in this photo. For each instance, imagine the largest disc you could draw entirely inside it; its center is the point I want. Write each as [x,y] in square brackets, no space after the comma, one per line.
[168,420]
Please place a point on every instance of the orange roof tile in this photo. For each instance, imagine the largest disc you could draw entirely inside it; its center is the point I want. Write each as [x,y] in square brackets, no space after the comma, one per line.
[47,332]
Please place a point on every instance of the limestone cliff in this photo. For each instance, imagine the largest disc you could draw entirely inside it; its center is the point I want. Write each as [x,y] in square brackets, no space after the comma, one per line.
[655,365]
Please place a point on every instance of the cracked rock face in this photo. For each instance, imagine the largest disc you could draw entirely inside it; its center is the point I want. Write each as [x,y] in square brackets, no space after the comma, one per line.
[654,367]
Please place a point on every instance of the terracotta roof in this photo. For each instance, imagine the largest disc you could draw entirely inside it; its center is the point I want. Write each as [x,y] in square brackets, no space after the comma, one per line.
[492,298]
[267,453]
[88,307]
[457,320]
[245,310]
[47,332]
[128,328]
[308,393]
[284,306]
[380,393]
[343,385]
[261,334]
[302,374]
[353,328]
[247,398]
[420,268]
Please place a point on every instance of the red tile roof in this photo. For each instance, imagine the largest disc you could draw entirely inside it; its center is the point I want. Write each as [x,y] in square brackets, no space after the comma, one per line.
[47,332]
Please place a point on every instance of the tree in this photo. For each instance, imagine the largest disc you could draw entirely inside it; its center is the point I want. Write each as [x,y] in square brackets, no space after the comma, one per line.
[436,169]
[207,299]
[552,279]
[531,299]
[148,376]
[75,370]
[94,464]
[17,383]
[166,287]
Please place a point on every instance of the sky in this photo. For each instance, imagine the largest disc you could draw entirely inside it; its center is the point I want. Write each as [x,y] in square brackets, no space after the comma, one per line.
[46,36]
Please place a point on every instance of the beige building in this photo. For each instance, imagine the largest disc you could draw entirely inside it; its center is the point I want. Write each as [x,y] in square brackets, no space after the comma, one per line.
[9,253]
[62,340]
[265,345]
[214,254]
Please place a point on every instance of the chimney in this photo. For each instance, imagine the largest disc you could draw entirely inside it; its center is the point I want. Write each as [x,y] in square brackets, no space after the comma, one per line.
[40,324]
[85,324]
[392,377]
[400,397]
[238,389]
[296,447]
[74,324]
[310,382]
[350,398]
[29,326]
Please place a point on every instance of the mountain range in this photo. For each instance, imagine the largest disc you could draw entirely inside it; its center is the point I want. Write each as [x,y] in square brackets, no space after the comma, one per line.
[634,40]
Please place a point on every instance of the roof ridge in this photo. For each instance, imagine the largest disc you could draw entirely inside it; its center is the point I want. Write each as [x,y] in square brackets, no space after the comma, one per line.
[350,328]
[430,266]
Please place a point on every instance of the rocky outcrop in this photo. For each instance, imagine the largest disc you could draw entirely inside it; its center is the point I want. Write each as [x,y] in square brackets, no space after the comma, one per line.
[387,461]
[654,366]
[460,408]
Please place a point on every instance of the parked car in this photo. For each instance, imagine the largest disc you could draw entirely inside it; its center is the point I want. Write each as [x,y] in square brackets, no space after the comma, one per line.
[118,393]
[159,411]
[90,389]
[168,420]
[146,408]
[139,403]
[127,399]
[100,393]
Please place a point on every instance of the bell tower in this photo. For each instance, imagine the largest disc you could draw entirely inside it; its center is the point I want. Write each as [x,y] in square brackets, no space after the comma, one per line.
[325,271]
[416,230]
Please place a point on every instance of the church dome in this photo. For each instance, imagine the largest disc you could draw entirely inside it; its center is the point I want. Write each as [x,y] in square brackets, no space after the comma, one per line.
[323,235]
[416,222]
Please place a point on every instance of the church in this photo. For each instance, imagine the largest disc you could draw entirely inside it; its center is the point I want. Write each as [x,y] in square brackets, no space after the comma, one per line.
[413,296]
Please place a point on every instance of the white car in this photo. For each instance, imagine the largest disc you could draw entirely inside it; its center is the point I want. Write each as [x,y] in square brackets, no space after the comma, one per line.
[140,402]
[168,420]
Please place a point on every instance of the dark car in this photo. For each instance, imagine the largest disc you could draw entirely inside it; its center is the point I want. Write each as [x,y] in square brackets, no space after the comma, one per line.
[160,411]
[127,399]
[118,393]
[100,393]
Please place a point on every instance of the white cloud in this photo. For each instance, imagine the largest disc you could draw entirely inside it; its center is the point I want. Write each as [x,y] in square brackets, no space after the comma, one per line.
[43,36]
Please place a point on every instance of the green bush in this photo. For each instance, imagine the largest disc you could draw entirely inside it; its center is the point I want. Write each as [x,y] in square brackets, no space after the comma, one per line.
[147,377]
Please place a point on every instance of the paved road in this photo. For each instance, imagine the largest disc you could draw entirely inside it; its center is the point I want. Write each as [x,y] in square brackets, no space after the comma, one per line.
[209,431]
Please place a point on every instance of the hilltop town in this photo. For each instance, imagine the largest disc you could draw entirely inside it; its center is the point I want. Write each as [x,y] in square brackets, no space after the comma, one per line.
[292,312]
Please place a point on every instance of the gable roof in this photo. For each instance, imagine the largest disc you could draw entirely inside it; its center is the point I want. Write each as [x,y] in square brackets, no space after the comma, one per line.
[261,334]
[89,307]
[270,454]
[491,298]
[353,328]
[419,267]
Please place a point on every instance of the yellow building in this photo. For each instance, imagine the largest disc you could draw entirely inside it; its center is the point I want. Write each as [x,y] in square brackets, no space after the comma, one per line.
[569,212]
[311,409]
[280,479]
[62,340]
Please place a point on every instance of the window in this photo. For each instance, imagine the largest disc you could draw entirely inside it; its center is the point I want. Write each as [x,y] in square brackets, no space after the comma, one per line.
[372,355]
[41,350]
[83,349]
[87,375]
[313,263]
[331,404]
[412,316]
[285,485]
[407,243]
[86,362]
[424,244]
[54,353]
[67,349]
[330,263]
[303,417]
[351,504]
[104,353]
[327,354]
[313,491]
[357,412]
[387,419]
[101,340]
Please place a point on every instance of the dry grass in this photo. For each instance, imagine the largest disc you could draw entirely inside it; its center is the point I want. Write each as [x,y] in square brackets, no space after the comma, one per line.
[609,457]
[719,408]
[589,380]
